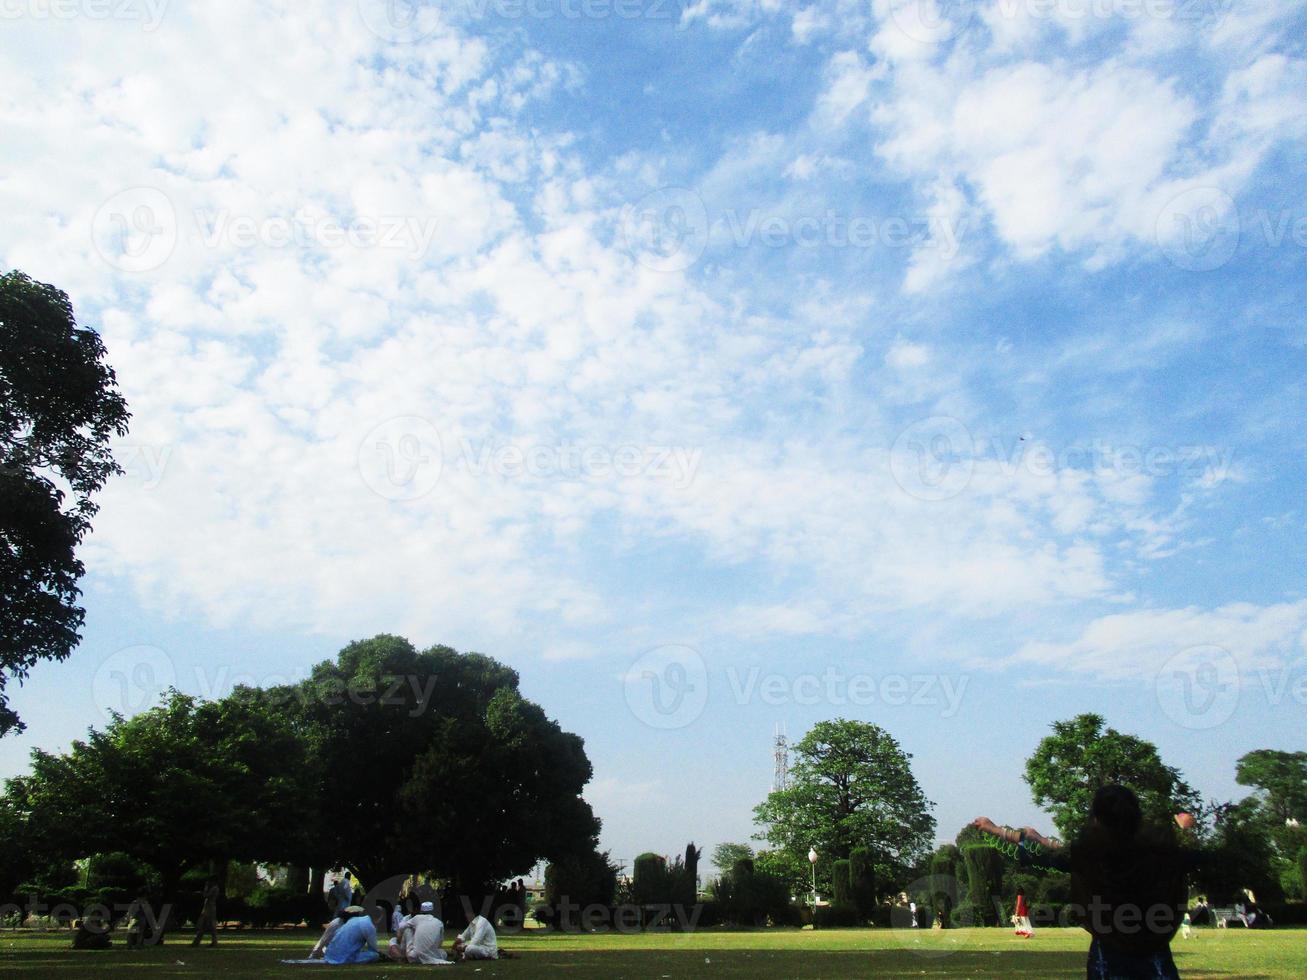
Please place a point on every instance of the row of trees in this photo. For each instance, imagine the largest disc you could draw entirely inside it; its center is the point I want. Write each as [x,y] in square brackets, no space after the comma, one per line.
[853,798]
[387,761]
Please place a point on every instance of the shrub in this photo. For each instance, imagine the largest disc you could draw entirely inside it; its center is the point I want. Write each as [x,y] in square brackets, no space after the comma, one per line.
[984,880]
[584,879]
[652,884]
[968,914]
[838,916]
[841,885]
[862,878]
[269,905]
[753,898]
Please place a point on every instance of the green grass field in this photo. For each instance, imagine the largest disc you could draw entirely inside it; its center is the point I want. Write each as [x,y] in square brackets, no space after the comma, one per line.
[1053,953]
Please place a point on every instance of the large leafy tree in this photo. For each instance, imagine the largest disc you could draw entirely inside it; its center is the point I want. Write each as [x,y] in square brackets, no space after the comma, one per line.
[433,761]
[181,785]
[59,406]
[851,785]
[1275,811]
[1280,781]
[1068,767]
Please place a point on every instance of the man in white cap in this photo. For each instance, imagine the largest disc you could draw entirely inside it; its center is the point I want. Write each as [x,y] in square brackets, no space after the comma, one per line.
[420,938]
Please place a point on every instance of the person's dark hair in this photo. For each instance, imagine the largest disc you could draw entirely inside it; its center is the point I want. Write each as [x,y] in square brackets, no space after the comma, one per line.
[1116,810]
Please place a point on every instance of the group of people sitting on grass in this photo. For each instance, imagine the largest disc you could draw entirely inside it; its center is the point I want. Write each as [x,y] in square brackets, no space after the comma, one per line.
[419,937]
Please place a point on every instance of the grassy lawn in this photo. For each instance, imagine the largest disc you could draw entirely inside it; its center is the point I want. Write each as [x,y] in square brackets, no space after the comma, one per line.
[1053,953]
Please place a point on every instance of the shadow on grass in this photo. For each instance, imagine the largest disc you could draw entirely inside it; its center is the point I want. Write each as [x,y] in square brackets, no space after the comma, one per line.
[258,956]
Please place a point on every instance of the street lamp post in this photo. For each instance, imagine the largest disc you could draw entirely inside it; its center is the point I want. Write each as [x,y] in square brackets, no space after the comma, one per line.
[812,859]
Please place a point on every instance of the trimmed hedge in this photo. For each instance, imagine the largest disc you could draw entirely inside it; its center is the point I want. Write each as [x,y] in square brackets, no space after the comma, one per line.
[838,916]
[841,884]
[862,877]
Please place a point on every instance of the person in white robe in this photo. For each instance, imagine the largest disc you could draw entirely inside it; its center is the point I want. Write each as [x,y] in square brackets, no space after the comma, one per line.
[420,938]
[477,941]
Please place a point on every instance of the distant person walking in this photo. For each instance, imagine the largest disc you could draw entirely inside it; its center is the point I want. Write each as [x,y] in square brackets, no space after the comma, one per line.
[207,921]
[1130,880]
[341,895]
[1021,918]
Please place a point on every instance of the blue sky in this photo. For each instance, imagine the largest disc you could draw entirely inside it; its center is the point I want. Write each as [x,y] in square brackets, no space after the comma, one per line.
[720,366]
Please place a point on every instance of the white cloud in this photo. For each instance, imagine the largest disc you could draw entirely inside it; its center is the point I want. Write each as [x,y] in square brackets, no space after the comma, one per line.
[1003,112]
[907,355]
[522,330]
[1136,645]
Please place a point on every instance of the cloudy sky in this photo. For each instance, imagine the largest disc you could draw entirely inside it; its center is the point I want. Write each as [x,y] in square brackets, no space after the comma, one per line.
[720,365]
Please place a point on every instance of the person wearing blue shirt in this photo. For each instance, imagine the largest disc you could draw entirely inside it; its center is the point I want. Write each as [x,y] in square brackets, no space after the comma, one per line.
[355,941]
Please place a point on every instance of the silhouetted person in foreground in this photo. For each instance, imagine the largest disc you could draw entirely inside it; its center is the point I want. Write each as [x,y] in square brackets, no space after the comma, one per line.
[1128,882]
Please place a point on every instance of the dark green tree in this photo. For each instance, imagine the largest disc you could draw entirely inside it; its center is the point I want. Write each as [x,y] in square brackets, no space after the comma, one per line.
[183,785]
[59,407]
[726,856]
[444,742]
[947,874]
[841,883]
[862,872]
[581,879]
[1280,781]
[984,881]
[750,896]
[1245,855]
[1082,755]
[851,785]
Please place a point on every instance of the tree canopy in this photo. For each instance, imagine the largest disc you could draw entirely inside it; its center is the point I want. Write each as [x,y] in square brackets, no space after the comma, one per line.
[851,785]
[445,743]
[387,760]
[1280,779]
[726,856]
[59,407]
[1068,767]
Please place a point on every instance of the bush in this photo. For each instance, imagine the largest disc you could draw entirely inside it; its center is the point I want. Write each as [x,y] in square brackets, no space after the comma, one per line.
[586,879]
[984,881]
[862,877]
[546,915]
[968,914]
[651,885]
[753,898]
[838,916]
[1287,913]
[710,914]
[841,884]
[269,905]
